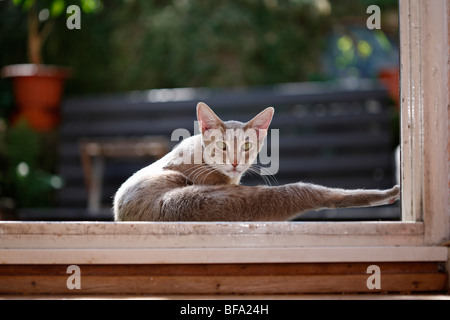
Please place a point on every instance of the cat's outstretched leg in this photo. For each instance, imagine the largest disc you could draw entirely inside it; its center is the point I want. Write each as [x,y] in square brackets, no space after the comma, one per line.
[177,201]
[263,203]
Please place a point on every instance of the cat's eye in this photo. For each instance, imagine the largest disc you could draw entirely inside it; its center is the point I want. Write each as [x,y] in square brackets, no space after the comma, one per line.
[247,146]
[221,145]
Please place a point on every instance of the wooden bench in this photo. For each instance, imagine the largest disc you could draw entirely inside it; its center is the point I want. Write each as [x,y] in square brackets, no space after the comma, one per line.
[328,134]
[94,153]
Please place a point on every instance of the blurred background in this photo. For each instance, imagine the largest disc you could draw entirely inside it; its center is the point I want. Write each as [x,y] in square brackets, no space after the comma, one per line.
[333,81]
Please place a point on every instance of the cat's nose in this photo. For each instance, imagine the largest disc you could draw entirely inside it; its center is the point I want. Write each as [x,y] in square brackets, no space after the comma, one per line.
[234,164]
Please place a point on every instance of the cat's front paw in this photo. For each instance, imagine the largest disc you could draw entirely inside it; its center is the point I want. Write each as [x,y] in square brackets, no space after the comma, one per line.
[394,194]
[389,196]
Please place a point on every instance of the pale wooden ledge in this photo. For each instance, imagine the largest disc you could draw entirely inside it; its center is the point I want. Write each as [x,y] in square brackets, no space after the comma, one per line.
[181,243]
[223,255]
[138,235]
[180,228]
[217,258]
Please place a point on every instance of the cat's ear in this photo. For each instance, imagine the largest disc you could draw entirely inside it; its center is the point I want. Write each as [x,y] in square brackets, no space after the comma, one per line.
[261,122]
[207,119]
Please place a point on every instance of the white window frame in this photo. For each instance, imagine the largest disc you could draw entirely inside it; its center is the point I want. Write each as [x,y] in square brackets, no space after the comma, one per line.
[425,221]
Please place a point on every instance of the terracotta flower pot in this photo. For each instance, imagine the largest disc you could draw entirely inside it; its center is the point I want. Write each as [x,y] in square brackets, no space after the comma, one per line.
[38,90]
[391,79]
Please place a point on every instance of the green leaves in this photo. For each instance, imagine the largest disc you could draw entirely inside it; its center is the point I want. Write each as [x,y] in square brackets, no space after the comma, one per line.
[58,7]
[26,4]
[27,176]
[91,6]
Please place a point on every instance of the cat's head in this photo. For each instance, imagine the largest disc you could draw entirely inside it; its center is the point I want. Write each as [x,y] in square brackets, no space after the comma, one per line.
[232,146]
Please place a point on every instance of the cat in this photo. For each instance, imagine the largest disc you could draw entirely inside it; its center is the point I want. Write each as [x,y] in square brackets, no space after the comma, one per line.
[199,180]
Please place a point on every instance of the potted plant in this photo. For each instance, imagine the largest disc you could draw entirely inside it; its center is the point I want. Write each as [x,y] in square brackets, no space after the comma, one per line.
[37,87]
[26,179]
[28,139]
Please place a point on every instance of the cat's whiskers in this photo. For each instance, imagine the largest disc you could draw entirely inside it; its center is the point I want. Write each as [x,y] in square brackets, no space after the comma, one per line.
[195,170]
[252,171]
[201,172]
[266,177]
[212,168]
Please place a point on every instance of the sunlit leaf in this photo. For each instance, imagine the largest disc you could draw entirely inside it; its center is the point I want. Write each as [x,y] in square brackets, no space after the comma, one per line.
[57,7]
[345,43]
[364,48]
[383,41]
[89,6]
[27,4]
